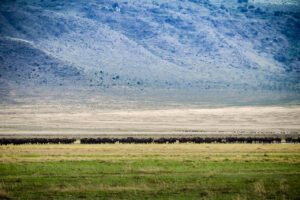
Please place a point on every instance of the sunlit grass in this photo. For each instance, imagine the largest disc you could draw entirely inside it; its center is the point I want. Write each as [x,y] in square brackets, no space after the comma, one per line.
[150,171]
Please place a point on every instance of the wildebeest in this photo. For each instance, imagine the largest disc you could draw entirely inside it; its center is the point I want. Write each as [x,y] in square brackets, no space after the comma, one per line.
[135,140]
[18,141]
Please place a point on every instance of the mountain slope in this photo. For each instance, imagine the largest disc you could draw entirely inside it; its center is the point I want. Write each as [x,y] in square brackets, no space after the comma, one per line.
[196,44]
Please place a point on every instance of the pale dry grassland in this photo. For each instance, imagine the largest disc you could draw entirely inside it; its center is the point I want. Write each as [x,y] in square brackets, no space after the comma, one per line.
[83,120]
[212,152]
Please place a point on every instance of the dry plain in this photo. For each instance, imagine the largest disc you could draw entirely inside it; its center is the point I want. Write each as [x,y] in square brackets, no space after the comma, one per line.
[59,119]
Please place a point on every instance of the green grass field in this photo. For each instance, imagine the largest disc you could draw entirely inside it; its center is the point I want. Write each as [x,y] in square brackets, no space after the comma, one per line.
[150,171]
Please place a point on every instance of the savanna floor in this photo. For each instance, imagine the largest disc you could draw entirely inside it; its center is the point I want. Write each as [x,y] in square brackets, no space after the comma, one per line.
[150,171]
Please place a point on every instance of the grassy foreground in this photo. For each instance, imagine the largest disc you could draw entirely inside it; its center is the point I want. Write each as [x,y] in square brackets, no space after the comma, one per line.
[150,171]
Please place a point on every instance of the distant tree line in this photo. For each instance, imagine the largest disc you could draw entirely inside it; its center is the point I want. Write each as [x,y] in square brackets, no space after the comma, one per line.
[162,140]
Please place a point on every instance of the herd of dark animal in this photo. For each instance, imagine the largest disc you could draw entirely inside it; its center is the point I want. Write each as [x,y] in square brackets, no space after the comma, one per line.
[163,140]
[198,140]
[5,141]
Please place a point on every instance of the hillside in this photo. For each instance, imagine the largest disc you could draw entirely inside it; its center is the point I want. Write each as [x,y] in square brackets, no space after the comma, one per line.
[196,45]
